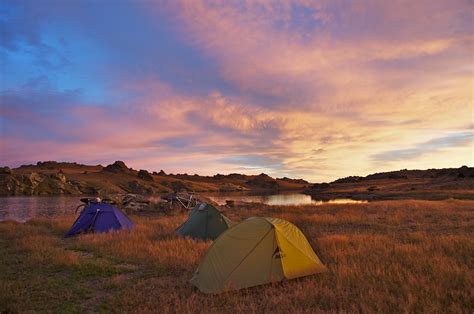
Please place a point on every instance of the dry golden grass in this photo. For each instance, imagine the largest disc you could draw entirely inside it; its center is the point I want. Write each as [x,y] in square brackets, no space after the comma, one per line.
[391,256]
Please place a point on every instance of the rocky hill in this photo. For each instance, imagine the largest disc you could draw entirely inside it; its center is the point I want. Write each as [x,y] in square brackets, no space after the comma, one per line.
[56,178]
[402,184]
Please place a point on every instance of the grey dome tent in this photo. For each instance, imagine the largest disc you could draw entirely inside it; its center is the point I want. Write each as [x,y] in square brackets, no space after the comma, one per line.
[204,222]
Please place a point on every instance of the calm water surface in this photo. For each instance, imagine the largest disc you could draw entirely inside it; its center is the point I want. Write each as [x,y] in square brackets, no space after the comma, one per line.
[279,199]
[23,208]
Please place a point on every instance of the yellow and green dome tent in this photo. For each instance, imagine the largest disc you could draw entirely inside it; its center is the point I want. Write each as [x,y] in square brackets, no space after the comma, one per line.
[255,252]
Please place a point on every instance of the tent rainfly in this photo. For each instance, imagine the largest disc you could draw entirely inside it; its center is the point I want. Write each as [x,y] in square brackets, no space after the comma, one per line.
[255,252]
[204,222]
[99,217]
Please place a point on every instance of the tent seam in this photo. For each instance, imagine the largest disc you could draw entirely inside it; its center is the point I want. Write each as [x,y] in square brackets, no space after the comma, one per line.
[248,254]
[292,244]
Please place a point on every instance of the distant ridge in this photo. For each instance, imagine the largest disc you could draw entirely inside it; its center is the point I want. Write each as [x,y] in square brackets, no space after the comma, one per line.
[401,184]
[71,178]
[462,172]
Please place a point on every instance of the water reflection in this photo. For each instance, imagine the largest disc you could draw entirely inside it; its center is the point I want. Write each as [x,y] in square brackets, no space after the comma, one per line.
[281,199]
[23,208]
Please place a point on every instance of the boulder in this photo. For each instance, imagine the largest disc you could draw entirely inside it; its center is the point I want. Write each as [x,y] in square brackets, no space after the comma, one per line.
[10,186]
[136,187]
[85,188]
[145,175]
[35,178]
[59,176]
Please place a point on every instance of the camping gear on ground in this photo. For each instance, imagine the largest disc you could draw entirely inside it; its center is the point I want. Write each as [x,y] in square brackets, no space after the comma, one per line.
[99,217]
[89,200]
[204,222]
[135,198]
[135,203]
[185,200]
[255,252]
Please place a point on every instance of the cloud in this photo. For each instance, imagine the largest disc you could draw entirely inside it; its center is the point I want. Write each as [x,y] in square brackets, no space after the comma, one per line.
[259,56]
[256,163]
[306,89]
[429,147]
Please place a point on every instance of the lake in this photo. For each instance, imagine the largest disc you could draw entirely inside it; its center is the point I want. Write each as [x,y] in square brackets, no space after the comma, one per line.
[277,199]
[23,208]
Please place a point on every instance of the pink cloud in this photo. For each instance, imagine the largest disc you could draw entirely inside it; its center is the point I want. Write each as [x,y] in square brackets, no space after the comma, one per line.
[359,79]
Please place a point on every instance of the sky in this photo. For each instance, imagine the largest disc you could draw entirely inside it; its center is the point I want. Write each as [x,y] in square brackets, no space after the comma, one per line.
[305,89]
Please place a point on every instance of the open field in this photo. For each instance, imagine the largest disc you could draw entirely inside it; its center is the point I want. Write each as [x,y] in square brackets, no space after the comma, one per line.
[387,256]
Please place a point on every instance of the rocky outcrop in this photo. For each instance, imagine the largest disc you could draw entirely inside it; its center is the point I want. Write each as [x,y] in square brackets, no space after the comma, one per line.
[297,181]
[145,175]
[55,178]
[350,179]
[9,185]
[404,174]
[47,164]
[177,186]
[35,184]
[86,188]
[263,181]
[465,172]
[229,187]
[136,187]
[117,167]
[5,170]
[320,186]
[237,176]
[59,176]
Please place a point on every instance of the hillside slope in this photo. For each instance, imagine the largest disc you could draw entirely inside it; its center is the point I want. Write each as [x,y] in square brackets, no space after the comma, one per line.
[56,178]
[402,184]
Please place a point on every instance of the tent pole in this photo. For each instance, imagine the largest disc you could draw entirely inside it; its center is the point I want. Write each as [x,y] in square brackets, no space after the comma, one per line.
[91,226]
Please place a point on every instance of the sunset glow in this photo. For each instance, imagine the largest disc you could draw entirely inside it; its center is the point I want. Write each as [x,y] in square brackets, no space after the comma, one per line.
[304,89]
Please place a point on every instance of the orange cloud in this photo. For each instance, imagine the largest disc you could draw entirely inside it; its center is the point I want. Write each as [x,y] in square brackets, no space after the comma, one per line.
[319,90]
[370,77]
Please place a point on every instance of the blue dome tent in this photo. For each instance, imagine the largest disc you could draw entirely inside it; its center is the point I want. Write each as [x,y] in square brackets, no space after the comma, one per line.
[99,217]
